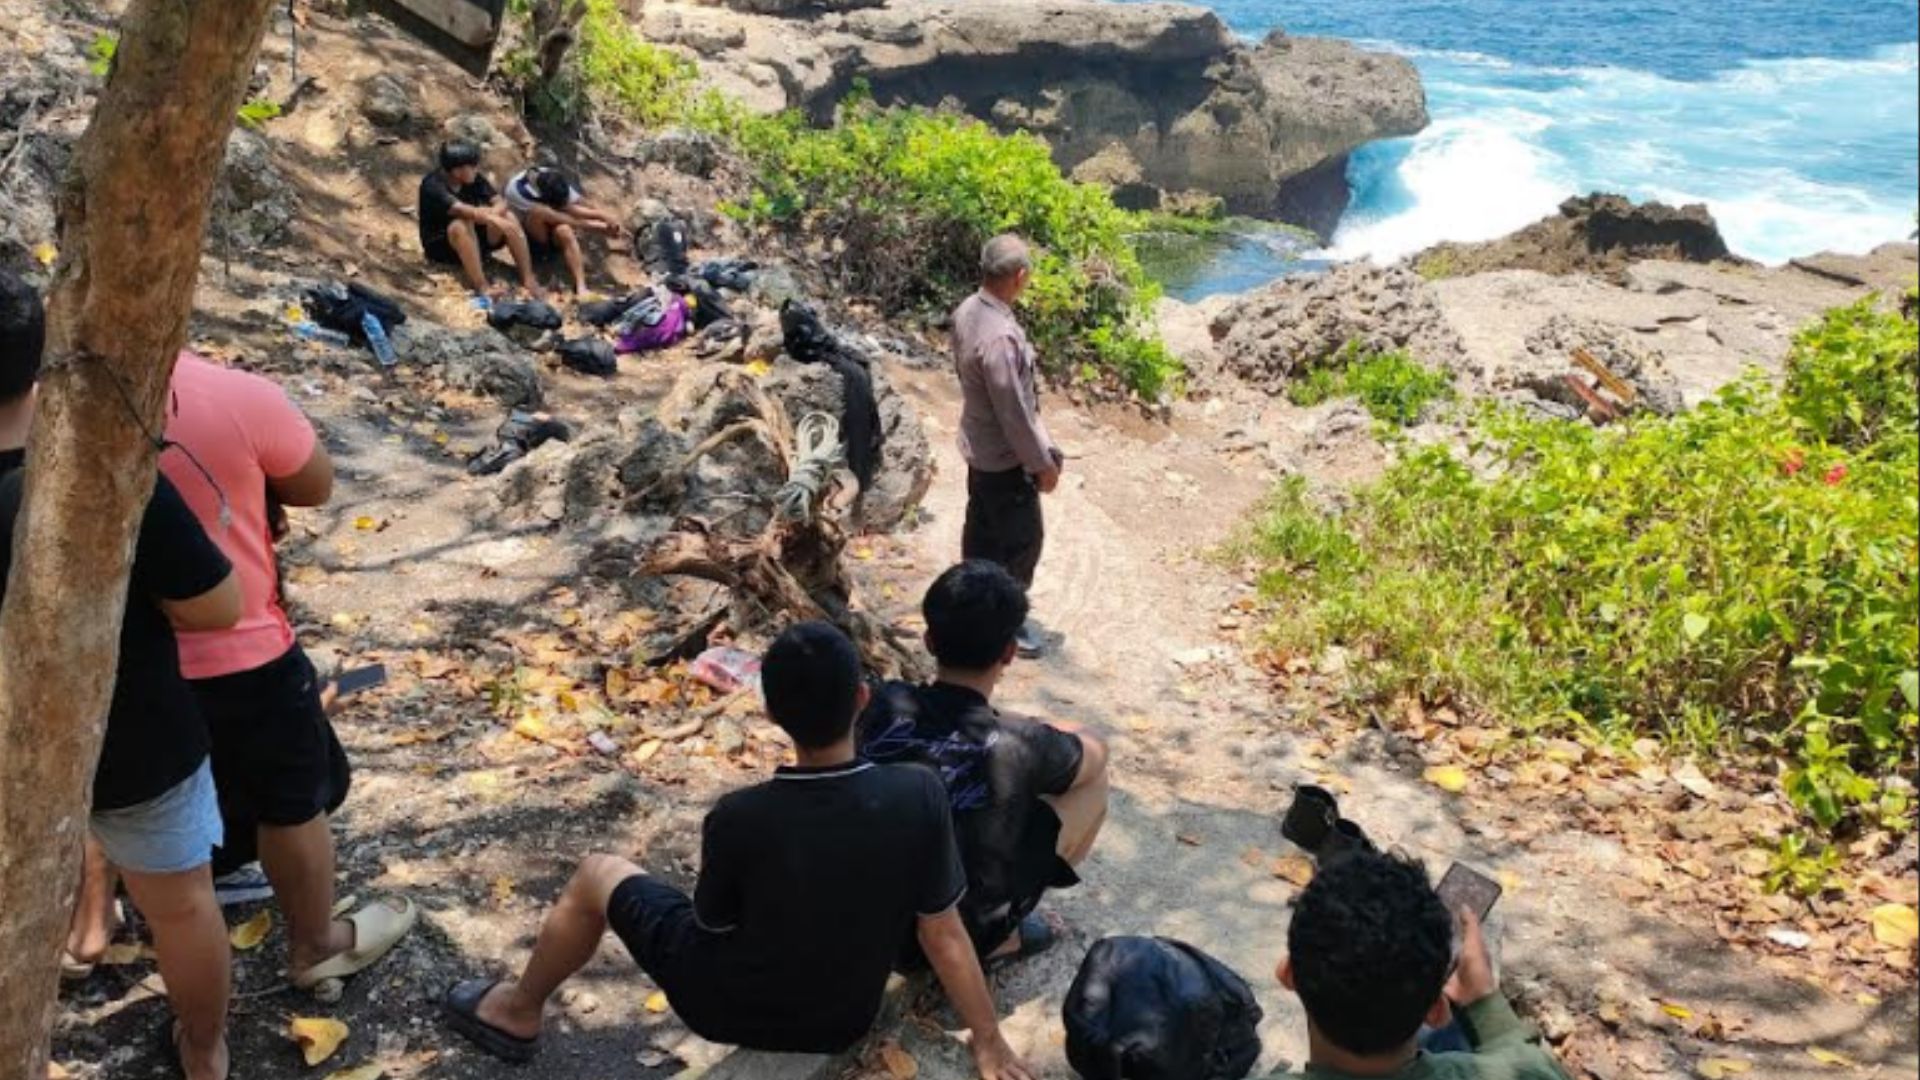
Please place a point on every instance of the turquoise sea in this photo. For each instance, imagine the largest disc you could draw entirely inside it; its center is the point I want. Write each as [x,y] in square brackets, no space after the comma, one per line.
[1796,121]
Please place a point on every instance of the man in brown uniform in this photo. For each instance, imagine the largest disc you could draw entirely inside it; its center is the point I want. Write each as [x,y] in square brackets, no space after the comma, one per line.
[1011,460]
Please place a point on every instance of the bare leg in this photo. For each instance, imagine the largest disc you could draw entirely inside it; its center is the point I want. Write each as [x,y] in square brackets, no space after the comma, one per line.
[191,939]
[1082,813]
[568,937]
[466,244]
[299,862]
[509,231]
[91,930]
[548,226]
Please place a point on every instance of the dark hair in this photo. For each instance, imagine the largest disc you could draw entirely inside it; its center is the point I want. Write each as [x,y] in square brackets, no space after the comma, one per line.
[973,613]
[551,187]
[458,152]
[1371,946]
[811,678]
[23,336]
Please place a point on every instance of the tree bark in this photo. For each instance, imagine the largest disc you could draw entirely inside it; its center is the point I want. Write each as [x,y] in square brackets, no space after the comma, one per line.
[133,213]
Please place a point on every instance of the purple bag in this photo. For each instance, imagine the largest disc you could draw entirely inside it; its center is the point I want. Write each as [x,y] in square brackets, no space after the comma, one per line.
[664,320]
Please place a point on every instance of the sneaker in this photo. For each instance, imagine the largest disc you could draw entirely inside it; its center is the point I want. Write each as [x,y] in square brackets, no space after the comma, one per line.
[1031,640]
[242,886]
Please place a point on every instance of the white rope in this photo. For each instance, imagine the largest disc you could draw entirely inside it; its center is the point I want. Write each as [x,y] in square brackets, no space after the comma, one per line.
[817,453]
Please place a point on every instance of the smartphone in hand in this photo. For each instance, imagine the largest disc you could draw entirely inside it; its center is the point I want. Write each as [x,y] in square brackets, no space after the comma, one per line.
[1464,888]
[348,683]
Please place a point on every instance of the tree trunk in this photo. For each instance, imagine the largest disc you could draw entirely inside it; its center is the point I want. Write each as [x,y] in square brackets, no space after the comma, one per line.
[132,211]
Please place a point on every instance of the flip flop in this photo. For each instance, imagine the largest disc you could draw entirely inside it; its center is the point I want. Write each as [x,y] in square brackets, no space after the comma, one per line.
[462,1005]
[377,928]
[1036,937]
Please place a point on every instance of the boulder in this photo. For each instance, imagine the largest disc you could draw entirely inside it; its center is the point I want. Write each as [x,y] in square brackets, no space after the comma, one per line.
[1542,372]
[255,205]
[1595,234]
[1276,333]
[476,129]
[481,361]
[906,464]
[1153,98]
[691,152]
[385,102]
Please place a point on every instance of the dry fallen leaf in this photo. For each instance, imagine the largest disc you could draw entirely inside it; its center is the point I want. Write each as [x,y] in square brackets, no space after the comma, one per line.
[1448,778]
[358,1072]
[1721,1068]
[900,1064]
[1294,869]
[1678,1012]
[366,523]
[249,934]
[657,1002]
[1188,839]
[45,254]
[319,1037]
[1896,926]
[502,889]
[1829,1057]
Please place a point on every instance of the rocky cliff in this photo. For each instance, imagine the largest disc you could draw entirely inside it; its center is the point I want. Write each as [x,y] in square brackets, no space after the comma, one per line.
[1155,100]
[1597,234]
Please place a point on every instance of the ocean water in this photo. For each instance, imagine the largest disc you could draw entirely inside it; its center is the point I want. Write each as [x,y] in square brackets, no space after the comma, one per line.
[1796,121]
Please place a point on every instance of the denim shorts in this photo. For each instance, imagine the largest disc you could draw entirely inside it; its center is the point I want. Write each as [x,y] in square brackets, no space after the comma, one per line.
[172,832]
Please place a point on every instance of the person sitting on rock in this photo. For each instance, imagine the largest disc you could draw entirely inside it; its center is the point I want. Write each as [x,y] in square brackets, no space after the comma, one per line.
[1371,952]
[1028,798]
[808,882]
[555,212]
[462,219]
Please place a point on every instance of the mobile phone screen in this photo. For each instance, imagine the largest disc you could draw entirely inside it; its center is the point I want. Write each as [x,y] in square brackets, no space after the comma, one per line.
[366,678]
[1464,887]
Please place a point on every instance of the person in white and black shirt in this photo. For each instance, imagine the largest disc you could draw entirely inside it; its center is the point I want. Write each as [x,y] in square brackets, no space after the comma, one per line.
[808,883]
[555,212]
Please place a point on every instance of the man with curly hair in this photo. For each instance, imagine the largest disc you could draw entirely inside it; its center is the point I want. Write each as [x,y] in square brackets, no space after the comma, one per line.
[1372,954]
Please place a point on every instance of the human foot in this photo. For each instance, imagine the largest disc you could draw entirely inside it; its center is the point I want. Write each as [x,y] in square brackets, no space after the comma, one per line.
[491,1032]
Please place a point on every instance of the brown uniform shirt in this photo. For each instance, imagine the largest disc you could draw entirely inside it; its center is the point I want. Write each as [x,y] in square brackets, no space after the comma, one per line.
[1000,426]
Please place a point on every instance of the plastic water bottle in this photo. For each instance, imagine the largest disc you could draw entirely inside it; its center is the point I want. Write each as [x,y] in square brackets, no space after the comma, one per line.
[377,339]
[309,330]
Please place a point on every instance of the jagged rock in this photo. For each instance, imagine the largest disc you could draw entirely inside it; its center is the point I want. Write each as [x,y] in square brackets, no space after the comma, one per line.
[1275,333]
[255,205]
[480,361]
[565,482]
[906,466]
[1154,98]
[794,7]
[386,102]
[1544,369]
[477,130]
[1596,234]
[690,152]
[773,286]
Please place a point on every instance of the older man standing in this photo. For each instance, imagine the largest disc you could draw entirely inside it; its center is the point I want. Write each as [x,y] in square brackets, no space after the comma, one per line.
[1011,460]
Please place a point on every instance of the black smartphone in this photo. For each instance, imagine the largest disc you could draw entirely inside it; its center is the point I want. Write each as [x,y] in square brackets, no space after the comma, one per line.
[348,683]
[1469,889]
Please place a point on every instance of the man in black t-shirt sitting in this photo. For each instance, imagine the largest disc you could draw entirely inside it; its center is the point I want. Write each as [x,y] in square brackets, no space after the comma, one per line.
[462,219]
[1028,798]
[808,883]
[154,816]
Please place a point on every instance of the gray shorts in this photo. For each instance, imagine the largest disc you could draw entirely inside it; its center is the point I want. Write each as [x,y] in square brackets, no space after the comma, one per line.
[172,832]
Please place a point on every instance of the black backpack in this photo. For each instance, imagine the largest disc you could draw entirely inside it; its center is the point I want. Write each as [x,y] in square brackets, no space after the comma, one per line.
[340,307]
[663,250]
[1157,1009]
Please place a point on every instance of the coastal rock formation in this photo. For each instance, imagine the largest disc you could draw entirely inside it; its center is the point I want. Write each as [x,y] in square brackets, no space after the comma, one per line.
[1595,234]
[1156,100]
[1275,333]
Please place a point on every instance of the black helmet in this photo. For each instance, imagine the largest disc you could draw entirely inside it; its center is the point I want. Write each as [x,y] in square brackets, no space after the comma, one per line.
[457,153]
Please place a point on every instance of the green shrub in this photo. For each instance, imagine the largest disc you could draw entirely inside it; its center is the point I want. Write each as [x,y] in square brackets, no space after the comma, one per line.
[1394,387]
[1742,575]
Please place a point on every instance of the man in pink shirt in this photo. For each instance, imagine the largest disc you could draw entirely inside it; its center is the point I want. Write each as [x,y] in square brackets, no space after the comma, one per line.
[237,442]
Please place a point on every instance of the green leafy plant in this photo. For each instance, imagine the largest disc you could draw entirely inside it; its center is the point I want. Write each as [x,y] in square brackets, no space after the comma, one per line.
[1741,576]
[257,111]
[1394,387]
[100,53]
[1801,866]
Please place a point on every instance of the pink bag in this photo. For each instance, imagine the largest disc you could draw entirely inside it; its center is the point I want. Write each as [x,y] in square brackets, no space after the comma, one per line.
[674,321]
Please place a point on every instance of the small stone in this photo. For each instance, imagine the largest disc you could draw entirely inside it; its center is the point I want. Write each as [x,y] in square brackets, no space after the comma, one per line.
[386,102]
[728,739]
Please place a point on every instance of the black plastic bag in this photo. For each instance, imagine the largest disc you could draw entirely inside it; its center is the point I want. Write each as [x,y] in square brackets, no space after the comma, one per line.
[1157,1009]
[516,438]
[663,250]
[537,314]
[341,307]
[708,305]
[589,356]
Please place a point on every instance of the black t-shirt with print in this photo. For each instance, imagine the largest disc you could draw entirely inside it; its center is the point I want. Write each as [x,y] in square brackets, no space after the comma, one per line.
[437,199]
[808,884]
[155,736]
[995,768]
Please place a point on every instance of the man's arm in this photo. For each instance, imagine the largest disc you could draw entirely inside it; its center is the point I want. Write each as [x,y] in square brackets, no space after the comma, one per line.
[1000,364]
[309,485]
[1491,1023]
[176,564]
[216,609]
[944,939]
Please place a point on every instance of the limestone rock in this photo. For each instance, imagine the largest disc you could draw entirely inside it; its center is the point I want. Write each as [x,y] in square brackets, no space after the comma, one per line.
[480,361]
[1595,234]
[683,151]
[255,204]
[386,102]
[1548,362]
[906,466]
[1275,333]
[477,130]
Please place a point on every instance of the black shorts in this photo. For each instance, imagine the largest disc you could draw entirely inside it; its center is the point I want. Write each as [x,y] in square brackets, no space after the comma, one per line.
[440,250]
[655,921]
[276,760]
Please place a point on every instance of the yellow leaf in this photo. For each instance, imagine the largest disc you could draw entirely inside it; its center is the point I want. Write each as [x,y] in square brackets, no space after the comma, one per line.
[657,1002]
[1448,778]
[1294,869]
[1678,1012]
[900,1064]
[1866,1000]
[345,620]
[502,889]
[319,1037]
[1896,925]
[759,368]
[530,726]
[567,700]
[358,1072]
[45,253]
[617,683]
[645,752]
[1829,1057]
[1721,1068]
[440,438]
[365,523]
[249,934]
